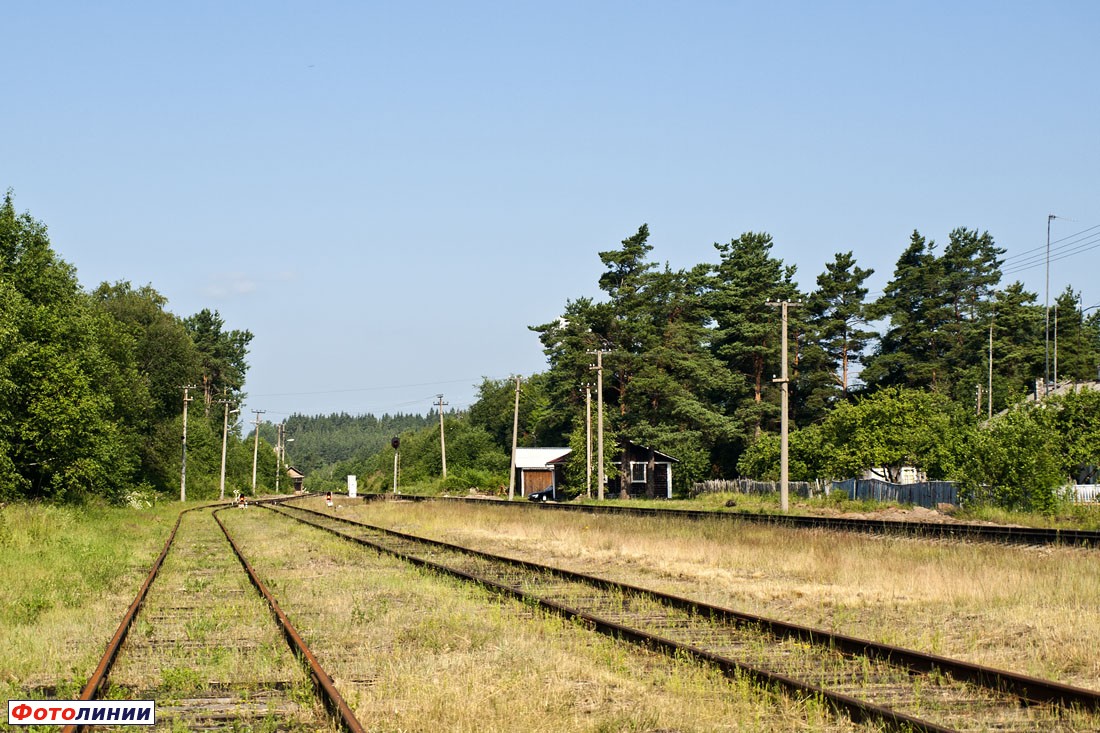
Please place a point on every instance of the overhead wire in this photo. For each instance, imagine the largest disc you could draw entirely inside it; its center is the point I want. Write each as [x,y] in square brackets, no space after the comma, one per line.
[1080,247]
[1060,249]
[1043,247]
[366,389]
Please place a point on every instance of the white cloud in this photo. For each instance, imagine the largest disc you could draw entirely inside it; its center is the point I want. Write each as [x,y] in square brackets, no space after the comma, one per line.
[230,285]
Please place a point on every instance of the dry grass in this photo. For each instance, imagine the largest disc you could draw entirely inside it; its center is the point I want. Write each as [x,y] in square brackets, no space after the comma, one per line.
[1032,610]
[415,652]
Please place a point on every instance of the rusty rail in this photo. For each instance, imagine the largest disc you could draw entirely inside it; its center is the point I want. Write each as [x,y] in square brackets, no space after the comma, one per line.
[954,531]
[322,681]
[1025,688]
[99,676]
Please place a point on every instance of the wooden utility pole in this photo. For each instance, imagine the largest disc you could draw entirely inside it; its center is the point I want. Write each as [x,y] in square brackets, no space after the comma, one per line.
[183,462]
[599,420]
[588,440]
[515,437]
[784,385]
[442,440]
[256,447]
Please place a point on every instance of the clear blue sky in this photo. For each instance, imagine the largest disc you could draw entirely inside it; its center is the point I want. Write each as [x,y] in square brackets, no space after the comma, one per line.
[388,194]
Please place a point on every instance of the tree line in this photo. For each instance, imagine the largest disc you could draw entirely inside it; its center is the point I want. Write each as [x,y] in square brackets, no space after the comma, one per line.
[91,383]
[902,379]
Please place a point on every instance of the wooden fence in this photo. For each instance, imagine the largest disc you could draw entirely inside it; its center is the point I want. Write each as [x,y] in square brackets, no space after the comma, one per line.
[928,494]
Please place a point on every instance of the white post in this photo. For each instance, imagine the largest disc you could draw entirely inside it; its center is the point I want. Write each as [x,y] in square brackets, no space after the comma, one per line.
[588,439]
[183,462]
[515,435]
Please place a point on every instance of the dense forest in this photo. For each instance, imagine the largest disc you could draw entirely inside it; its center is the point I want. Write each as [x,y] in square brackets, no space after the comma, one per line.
[91,383]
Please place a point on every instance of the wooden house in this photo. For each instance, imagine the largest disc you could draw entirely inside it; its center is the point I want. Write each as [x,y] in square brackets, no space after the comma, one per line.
[646,473]
[296,477]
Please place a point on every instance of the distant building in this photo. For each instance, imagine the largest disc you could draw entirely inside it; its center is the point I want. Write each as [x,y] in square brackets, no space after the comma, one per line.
[296,477]
[897,475]
[647,472]
[536,469]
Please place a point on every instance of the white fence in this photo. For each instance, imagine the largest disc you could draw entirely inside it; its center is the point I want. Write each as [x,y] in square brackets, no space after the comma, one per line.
[1086,493]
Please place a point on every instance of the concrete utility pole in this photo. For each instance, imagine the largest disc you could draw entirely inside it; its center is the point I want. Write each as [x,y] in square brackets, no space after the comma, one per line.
[225,437]
[599,420]
[588,440]
[991,368]
[256,447]
[1046,389]
[515,442]
[183,461]
[442,440]
[784,384]
[1056,345]
[280,430]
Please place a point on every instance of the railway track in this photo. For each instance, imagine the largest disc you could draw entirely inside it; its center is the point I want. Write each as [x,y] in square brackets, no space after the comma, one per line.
[1003,534]
[207,641]
[898,688]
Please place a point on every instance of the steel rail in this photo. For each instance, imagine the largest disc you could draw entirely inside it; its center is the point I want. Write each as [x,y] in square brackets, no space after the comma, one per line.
[1000,534]
[323,682]
[99,677]
[1030,689]
[102,671]
[855,709]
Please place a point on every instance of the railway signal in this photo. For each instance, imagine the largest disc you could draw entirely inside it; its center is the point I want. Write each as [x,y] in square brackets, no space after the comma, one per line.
[396,443]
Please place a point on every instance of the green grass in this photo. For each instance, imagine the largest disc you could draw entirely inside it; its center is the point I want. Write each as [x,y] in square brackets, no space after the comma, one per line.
[1065,516]
[67,576]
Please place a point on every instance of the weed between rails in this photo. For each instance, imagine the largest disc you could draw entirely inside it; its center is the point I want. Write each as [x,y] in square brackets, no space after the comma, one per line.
[996,605]
[413,651]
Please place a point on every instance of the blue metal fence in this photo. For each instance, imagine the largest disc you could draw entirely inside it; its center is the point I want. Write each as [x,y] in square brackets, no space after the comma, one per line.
[927,494]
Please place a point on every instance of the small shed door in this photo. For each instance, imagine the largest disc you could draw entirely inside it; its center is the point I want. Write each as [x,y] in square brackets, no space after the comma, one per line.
[536,480]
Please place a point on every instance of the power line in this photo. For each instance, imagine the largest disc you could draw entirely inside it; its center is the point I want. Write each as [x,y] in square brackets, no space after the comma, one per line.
[1081,247]
[367,389]
[1042,247]
[1068,245]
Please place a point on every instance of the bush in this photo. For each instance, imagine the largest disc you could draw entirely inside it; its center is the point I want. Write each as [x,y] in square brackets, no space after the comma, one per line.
[1012,463]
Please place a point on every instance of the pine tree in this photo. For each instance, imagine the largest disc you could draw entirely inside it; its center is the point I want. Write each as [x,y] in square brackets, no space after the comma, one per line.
[911,351]
[746,335]
[837,319]
[1017,345]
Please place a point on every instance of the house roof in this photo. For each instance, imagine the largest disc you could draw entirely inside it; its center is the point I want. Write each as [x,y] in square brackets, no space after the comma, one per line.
[293,472]
[539,457]
[658,455]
